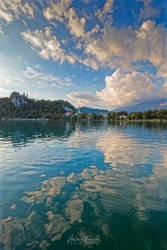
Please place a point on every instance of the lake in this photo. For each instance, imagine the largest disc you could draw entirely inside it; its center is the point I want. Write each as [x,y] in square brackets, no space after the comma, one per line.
[83,186]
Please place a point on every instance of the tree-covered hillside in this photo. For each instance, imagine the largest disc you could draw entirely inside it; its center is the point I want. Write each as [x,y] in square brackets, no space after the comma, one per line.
[20,106]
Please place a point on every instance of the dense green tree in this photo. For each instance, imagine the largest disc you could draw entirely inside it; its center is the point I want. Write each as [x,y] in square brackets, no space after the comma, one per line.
[33,108]
[109,116]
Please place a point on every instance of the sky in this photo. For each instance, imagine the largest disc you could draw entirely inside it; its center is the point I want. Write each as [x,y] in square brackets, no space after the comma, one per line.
[94,53]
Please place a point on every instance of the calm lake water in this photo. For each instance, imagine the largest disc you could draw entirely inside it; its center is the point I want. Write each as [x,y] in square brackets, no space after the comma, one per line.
[83,186]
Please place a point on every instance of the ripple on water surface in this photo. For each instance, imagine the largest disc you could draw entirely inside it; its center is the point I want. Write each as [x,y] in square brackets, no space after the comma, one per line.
[79,186]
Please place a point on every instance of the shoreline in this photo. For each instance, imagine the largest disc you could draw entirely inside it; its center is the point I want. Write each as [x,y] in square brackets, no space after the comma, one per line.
[83,120]
[24,119]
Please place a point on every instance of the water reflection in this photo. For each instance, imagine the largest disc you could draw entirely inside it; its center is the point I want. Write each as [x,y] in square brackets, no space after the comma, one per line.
[119,204]
[121,148]
[62,210]
[23,132]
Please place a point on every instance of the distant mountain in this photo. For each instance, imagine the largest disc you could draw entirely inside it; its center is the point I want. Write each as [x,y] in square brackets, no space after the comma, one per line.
[145,106]
[92,110]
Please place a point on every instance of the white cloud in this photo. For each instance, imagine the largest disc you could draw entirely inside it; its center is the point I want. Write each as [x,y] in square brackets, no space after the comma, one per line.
[1,31]
[62,12]
[120,47]
[117,48]
[148,11]
[163,91]
[13,9]
[10,82]
[107,46]
[47,45]
[45,80]
[57,10]
[4,92]
[110,46]
[85,99]
[5,15]
[89,62]
[32,80]
[121,89]
[125,88]
[150,43]
[107,9]
[162,70]
[76,25]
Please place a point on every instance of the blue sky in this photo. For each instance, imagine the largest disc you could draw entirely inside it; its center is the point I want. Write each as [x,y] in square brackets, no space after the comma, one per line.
[98,53]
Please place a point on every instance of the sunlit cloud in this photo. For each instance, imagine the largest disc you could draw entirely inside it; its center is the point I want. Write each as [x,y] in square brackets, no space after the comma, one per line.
[61,12]
[126,88]
[120,47]
[76,25]
[43,79]
[148,11]
[92,42]
[107,9]
[13,9]
[85,99]
[32,77]
[121,89]
[4,92]
[47,45]
[57,10]
[1,31]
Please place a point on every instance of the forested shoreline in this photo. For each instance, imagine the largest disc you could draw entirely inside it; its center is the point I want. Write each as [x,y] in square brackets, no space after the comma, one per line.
[149,115]
[20,106]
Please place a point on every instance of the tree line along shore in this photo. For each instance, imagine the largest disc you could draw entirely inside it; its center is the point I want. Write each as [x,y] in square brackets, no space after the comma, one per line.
[20,106]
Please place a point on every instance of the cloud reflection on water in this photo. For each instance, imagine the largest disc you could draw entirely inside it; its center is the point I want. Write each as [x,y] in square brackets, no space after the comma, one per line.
[134,181]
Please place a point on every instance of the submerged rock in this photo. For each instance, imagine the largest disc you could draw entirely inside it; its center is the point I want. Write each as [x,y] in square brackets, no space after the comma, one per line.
[11,233]
[49,188]
[74,210]
[35,197]
[16,232]
[43,244]
[57,226]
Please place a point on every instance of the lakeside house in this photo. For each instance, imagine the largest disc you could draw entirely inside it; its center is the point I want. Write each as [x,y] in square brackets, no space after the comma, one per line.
[68,113]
